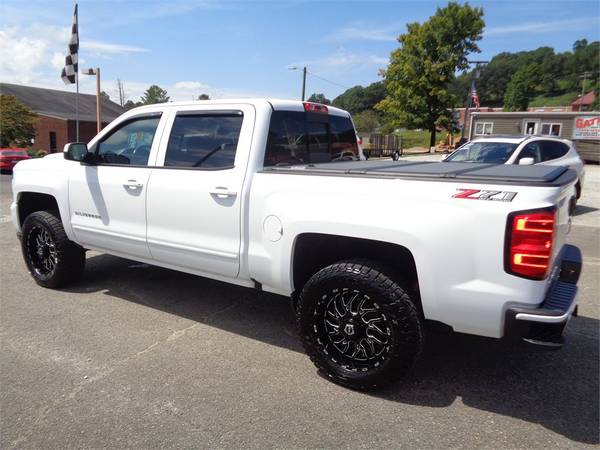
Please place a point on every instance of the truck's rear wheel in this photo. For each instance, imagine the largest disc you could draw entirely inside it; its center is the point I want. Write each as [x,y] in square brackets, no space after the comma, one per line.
[52,259]
[358,325]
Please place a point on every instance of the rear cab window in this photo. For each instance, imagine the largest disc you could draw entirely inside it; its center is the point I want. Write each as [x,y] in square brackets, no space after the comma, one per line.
[297,137]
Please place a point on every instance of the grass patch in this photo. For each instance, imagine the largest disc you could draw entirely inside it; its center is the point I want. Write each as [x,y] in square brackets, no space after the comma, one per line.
[559,100]
[414,138]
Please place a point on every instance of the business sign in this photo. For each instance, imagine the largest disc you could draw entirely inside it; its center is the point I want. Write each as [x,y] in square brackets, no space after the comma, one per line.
[586,127]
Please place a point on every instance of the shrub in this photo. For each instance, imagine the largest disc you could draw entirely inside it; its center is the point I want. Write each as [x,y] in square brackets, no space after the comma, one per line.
[36,152]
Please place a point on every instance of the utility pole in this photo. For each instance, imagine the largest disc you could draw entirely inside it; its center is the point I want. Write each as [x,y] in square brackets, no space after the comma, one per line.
[121,90]
[98,105]
[96,72]
[303,79]
[303,83]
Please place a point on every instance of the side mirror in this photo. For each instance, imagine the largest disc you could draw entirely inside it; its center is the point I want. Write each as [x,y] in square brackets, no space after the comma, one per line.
[526,161]
[445,156]
[75,151]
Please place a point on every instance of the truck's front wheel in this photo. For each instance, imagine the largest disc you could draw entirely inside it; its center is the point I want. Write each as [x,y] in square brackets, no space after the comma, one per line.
[52,259]
[358,325]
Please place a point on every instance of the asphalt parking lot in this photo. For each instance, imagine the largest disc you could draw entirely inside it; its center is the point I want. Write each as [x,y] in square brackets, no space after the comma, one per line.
[144,357]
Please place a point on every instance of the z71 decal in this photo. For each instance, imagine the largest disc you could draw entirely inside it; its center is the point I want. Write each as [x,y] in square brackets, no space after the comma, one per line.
[479,194]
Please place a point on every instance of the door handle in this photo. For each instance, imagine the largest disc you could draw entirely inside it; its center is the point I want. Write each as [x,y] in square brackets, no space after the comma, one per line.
[222,192]
[133,184]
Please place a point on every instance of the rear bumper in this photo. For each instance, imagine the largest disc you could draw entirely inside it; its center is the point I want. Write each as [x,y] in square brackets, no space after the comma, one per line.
[544,325]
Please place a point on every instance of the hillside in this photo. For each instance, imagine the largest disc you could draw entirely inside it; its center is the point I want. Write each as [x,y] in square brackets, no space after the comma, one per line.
[556,100]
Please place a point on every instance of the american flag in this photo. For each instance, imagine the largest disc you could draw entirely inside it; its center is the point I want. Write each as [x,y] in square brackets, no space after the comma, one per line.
[474,96]
[69,72]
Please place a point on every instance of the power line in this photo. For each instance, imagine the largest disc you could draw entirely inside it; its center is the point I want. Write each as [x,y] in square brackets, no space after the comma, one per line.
[329,81]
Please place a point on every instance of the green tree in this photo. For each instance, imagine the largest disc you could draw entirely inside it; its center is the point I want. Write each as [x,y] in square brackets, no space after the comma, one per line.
[520,88]
[319,98]
[104,96]
[16,122]
[203,97]
[420,71]
[359,98]
[130,104]
[596,104]
[366,121]
[579,44]
[558,72]
[154,94]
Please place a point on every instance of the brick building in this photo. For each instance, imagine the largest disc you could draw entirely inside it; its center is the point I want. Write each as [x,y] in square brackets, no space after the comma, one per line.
[56,114]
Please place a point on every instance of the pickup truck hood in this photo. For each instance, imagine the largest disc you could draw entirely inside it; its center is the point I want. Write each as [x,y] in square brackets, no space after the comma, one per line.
[51,162]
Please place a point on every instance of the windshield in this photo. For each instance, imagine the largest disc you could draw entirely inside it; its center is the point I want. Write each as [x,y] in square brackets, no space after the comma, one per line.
[484,152]
[12,153]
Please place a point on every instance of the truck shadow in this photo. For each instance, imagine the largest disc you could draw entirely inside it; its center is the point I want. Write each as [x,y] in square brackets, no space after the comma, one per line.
[583,209]
[557,390]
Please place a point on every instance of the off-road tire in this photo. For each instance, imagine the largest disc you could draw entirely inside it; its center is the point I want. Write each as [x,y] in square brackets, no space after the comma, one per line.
[377,285]
[68,258]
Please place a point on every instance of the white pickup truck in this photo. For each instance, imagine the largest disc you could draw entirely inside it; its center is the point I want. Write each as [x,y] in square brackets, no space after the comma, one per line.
[272,195]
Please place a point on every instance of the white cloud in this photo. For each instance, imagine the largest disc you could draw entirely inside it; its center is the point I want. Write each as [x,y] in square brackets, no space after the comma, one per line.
[34,52]
[342,61]
[541,27]
[21,57]
[108,48]
[190,85]
[366,31]
[361,33]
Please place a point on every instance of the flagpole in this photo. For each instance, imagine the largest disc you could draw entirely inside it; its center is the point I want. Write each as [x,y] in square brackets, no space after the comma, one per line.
[77,78]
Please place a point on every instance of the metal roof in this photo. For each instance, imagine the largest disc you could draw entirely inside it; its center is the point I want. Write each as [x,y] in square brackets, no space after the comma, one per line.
[586,99]
[536,113]
[61,104]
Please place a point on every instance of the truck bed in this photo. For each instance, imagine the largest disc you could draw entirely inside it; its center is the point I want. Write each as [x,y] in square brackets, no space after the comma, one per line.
[536,175]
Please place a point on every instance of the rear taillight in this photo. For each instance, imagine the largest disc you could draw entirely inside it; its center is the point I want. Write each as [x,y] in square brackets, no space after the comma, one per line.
[529,240]
[315,107]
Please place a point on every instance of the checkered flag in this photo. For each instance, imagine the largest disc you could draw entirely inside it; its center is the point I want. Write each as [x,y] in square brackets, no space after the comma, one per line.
[69,73]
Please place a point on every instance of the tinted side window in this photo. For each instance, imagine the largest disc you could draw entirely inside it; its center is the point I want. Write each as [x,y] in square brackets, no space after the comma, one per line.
[531,150]
[130,143]
[300,138]
[552,150]
[204,140]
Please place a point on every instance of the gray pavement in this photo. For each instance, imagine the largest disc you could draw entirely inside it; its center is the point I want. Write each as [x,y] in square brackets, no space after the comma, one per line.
[142,357]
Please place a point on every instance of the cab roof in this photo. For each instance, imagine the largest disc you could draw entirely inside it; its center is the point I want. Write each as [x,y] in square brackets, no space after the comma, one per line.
[276,104]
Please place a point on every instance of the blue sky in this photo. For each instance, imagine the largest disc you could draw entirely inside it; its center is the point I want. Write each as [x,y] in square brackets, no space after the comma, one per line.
[229,49]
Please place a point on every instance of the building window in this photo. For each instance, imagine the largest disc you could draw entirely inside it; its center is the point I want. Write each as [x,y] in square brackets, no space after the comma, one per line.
[551,129]
[483,128]
[53,142]
[531,127]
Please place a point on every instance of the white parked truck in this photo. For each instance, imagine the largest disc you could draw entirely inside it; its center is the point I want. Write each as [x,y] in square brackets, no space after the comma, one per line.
[272,195]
